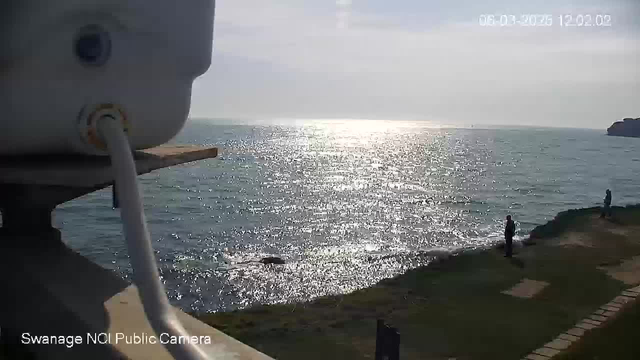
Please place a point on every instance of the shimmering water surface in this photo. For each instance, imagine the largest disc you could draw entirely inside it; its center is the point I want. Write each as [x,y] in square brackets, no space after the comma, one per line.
[345,203]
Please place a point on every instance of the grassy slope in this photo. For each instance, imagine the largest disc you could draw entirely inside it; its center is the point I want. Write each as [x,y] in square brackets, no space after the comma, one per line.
[455,308]
[617,340]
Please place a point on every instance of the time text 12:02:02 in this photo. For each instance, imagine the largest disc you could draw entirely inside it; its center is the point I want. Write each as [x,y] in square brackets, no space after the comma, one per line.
[585,20]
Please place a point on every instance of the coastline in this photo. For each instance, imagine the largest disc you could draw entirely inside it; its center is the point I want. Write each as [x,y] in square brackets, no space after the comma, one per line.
[455,306]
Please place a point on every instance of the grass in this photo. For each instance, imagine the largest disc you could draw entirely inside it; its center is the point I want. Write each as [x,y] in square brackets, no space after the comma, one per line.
[616,340]
[455,308]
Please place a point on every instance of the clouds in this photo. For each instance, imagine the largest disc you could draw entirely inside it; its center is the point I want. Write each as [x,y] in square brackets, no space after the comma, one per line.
[417,59]
[343,13]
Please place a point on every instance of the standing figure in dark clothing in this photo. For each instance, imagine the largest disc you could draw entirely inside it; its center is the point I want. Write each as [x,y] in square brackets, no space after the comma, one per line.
[606,210]
[509,232]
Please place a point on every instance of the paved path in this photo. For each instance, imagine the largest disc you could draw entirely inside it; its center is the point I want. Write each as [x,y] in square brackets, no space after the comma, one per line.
[606,312]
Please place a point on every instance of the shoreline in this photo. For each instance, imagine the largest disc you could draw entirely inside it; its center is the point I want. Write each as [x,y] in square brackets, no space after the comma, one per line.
[456,289]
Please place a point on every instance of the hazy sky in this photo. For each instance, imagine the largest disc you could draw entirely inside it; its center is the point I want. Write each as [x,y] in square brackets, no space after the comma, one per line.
[422,59]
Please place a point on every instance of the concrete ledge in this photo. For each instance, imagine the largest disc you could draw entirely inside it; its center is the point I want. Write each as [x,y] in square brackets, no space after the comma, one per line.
[48,289]
[128,319]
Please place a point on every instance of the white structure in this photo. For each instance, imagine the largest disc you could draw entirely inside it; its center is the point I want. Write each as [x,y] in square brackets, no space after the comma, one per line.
[60,60]
[95,77]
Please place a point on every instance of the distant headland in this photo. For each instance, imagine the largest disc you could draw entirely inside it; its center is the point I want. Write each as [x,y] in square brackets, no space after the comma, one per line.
[627,127]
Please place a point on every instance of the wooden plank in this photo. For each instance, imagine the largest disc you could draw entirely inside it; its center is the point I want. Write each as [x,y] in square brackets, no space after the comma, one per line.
[93,171]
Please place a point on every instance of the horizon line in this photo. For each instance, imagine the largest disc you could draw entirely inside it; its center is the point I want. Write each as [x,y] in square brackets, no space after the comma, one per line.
[436,123]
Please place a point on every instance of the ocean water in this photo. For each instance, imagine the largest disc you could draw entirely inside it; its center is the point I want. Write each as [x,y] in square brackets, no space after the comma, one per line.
[345,203]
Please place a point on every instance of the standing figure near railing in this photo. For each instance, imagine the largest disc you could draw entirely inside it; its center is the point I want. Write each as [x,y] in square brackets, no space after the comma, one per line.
[606,210]
[509,232]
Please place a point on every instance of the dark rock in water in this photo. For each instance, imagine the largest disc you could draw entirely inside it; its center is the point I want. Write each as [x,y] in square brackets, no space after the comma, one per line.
[272,260]
[627,127]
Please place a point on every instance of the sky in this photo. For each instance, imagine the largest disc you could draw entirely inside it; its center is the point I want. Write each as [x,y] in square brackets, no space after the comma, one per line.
[422,60]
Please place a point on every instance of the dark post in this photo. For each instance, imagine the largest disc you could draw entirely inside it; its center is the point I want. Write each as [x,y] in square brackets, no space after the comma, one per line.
[394,348]
[114,196]
[379,339]
[387,342]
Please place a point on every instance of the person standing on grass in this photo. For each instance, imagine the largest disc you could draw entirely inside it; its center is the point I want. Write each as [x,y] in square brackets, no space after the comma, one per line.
[606,210]
[509,232]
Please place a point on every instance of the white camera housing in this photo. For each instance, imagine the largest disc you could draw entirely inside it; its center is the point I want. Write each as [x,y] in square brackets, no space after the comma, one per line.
[63,60]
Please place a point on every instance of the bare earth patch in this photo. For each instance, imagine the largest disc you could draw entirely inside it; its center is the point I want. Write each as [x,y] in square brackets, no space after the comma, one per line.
[572,239]
[628,271]
[526,288]
[620,231]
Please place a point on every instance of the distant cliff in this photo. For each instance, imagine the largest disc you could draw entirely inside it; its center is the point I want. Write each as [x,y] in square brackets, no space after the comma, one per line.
[626,127]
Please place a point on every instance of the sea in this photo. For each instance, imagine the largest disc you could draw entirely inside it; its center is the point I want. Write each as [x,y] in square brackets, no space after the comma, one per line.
[346,203]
